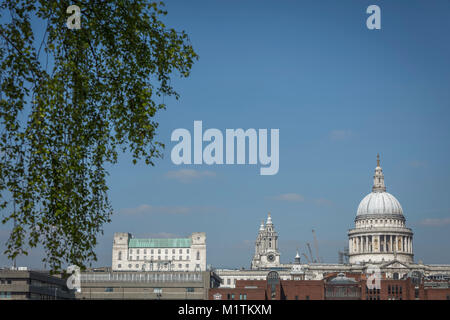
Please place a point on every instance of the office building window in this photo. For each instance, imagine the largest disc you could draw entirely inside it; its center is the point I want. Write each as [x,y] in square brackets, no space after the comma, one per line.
[187,266]
[187,251]
[189,289]
[120,255]
[157,290]
[181,251]
[173,251]
[198,255]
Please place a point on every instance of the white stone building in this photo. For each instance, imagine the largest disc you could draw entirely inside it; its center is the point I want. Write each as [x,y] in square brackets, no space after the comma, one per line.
[379,241]
[380,232]
[179,254]
[266,247]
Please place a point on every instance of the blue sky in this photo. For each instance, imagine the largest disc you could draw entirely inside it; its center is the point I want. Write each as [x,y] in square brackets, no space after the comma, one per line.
[339,94]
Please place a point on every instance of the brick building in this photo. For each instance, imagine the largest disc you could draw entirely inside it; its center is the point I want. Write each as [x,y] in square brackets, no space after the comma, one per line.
[334,287]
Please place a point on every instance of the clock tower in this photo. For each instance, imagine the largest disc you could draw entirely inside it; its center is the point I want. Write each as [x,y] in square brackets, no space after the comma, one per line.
[266,247]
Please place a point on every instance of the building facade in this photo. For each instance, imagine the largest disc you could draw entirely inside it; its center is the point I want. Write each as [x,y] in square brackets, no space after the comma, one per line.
[32,285]
[176,254]
[380,242]
[153,285]
[380,232]
[266,247]
[352,286]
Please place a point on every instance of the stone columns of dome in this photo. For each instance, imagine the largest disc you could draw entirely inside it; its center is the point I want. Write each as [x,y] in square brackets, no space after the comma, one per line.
[376,243]
[411,245]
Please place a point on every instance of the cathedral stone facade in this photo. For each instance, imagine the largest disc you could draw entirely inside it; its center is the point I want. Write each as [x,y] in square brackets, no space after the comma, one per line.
[380,232]
[266,247]
[379,242]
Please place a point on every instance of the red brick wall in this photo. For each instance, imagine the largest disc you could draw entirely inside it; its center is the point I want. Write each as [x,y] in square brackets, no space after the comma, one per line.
[436,293]
[303,289]
[252,294]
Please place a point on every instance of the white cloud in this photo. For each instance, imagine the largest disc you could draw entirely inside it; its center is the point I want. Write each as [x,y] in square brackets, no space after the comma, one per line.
[188,175]
[435,222]
[339,135]
[418,164]
[323,202]
[146,209]
[291,197]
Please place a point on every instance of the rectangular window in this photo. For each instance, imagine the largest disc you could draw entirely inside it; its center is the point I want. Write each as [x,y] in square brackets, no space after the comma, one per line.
[232,296]
[245,296]
[187,266]
[157,290]
[109,289]
[180,258]
[189,289]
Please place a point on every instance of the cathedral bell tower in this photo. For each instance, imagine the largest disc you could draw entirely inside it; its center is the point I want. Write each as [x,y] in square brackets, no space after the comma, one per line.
[266,247]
